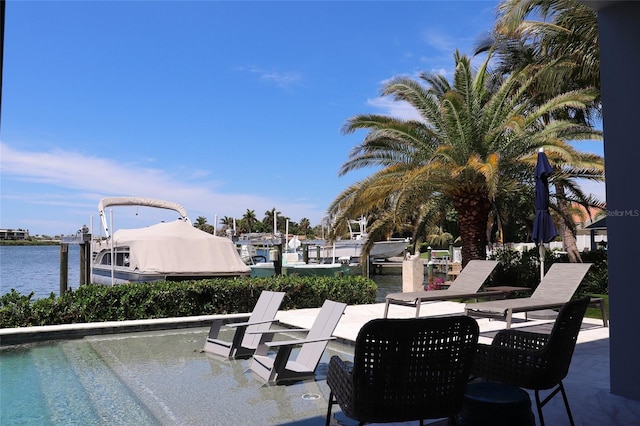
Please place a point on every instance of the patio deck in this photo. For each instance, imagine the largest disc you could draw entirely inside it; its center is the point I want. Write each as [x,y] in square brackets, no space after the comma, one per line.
[587,383]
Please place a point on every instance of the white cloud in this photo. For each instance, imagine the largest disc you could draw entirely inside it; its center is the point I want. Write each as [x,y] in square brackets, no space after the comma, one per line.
[397,109]
[69,186]
[278,78]
[281,79]
[439,41]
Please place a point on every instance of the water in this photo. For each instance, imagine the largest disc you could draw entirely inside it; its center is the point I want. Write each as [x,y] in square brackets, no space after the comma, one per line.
[150,378]
[36,269]
[141,378]
[387,284]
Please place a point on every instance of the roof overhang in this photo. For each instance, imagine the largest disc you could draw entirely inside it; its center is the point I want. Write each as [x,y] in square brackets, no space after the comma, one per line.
[598,224]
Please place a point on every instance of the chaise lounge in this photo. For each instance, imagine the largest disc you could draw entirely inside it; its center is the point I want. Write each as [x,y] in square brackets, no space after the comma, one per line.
[467,285]
[556,288]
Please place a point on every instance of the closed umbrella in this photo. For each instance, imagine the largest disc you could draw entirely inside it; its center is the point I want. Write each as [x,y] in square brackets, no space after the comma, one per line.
[543,228]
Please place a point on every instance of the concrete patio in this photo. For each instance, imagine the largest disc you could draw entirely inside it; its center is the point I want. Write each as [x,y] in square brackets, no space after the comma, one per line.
[587,384]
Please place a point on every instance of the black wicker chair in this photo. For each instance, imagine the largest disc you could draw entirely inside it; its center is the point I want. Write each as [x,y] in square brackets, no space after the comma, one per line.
[533,360]
[405,369]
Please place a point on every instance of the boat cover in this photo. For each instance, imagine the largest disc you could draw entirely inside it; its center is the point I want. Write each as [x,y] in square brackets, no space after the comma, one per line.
[178,247]
[140,201]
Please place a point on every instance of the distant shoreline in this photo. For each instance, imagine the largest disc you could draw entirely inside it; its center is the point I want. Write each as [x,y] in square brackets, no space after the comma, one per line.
[29,243]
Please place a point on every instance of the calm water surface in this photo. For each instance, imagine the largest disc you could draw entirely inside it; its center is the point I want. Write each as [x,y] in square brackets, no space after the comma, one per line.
[37,269]
[151,378]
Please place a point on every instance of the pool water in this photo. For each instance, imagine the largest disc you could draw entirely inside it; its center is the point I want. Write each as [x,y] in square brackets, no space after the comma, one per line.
[150,378]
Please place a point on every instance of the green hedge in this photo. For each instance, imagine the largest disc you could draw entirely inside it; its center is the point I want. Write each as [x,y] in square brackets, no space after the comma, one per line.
[95,303]
[523,269]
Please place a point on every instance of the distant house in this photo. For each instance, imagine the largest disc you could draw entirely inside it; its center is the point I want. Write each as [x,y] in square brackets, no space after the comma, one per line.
[14,234]
[591,234]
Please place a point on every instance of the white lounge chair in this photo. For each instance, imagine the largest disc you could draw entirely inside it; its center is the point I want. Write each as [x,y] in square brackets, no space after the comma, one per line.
[281,368]
[467,285]
[244,341]
[556,288]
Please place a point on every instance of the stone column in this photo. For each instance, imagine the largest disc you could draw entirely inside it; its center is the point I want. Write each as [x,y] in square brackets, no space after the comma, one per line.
[413,274]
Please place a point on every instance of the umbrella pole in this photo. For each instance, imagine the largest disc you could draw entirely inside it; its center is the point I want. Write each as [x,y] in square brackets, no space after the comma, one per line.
[541,253]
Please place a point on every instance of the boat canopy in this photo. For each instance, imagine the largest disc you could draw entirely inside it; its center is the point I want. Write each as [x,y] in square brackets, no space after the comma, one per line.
[138,201]
[177,247]
[141,201]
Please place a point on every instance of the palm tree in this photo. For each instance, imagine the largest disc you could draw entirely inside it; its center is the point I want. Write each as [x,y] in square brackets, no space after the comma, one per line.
[268,219]
[248,219]
[201,223]
[305,226]
[556,29]
[472,145]
[227,221]
[564,32]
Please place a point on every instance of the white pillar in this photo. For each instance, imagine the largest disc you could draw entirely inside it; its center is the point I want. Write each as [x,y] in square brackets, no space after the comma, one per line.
[412,274]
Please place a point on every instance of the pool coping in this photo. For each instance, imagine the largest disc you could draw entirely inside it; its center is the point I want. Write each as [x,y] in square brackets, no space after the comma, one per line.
[21,335]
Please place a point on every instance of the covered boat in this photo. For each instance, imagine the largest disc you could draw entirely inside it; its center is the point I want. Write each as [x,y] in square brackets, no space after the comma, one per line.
[165,251]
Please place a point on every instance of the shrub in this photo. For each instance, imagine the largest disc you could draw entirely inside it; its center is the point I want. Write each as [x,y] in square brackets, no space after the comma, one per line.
[597,280]
[94,303]
[523,269]
[517,268]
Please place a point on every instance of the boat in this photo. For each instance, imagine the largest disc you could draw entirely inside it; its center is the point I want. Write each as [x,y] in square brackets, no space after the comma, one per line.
[340,257]
[166,251]
[349,250]
[291,265]
[259,250]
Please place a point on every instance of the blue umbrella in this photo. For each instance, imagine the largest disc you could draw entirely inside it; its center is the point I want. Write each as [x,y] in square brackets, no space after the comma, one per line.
[543,228]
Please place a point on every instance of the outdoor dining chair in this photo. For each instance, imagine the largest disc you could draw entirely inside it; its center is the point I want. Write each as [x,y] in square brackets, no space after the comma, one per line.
[533,360]
[404,370]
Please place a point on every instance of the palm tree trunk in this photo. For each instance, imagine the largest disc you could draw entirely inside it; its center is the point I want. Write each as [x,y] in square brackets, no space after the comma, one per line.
[473,213]
[568,236]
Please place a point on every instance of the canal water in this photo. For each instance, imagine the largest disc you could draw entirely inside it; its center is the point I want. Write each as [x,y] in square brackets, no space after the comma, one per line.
[37,269]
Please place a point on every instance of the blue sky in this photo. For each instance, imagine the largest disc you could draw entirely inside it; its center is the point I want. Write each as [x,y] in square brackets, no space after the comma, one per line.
[221,106]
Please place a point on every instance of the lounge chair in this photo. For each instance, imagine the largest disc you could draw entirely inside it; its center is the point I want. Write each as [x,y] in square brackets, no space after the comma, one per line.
[281,368]
[533,360]
[404,370]
[244,341]
[467,285]
[556,288]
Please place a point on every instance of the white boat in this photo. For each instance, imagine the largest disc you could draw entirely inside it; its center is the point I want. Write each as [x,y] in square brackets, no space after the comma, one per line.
[267,269]
[352,248]
[171,251]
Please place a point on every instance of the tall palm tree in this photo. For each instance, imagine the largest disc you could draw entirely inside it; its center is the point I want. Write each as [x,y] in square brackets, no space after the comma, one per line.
[305,226]
[268,219]
[564,32]
[556,29]
[472,144]
[249,218]
[227,221]
[201,223]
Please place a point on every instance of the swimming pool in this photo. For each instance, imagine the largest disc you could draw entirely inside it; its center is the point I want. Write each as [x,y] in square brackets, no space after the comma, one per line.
[149,378]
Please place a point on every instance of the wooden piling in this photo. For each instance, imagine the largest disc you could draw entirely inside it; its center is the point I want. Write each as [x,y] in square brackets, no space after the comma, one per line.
[64,268]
